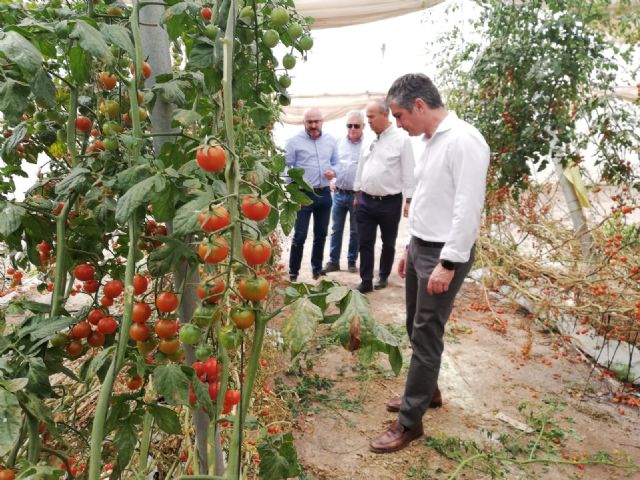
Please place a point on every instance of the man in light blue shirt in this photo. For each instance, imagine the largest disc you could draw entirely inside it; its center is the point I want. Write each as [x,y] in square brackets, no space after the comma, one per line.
[349,150]
[316,153]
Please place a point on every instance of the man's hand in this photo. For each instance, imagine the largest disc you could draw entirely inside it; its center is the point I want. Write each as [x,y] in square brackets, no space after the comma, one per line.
[330,174]
[333,187]
[405,210]
[402,264]
[439,280]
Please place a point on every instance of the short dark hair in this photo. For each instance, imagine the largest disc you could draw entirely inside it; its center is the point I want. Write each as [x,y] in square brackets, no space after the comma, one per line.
[406,89]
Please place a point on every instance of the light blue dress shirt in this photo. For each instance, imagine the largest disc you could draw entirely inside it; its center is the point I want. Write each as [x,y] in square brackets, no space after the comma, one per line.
[314,156]
[348,158]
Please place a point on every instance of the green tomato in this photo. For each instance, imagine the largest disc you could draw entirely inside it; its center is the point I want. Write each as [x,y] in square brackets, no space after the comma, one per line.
[61,135]
[40,116]
[295,30]
[205,315]
[58,340]
[204,352]
[211,31]
[110,144]
[270,38]
[190,334]
[279,16]
[247,12]
[111,129]
[288,61]
[284,100]
[230,337]
[246,36]
[306,42]
[284,81]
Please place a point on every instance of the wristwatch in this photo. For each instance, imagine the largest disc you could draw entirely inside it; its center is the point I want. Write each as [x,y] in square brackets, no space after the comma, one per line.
[447,265]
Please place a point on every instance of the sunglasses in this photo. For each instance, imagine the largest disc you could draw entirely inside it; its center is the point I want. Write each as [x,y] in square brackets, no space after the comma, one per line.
[354,125]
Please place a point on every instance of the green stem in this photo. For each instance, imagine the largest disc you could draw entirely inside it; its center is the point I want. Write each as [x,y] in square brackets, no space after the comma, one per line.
[61,257]
[71,125]
[463,464]
[145,441]
[35,445]
[11,461]
[201,477]
[537,442]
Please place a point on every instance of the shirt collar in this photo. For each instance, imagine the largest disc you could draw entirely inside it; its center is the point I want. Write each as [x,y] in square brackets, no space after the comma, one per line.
[447,123]
[386,130]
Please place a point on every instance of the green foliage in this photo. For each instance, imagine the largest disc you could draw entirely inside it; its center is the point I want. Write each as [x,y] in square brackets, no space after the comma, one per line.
[278,457]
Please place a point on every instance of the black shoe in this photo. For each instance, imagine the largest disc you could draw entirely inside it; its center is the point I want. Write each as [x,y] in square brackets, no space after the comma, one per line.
[317,275]
[364,287]
[352,268]
[331,267]
[380,284]
[293,278]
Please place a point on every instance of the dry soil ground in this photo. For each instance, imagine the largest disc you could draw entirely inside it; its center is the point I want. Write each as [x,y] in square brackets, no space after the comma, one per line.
[485,377]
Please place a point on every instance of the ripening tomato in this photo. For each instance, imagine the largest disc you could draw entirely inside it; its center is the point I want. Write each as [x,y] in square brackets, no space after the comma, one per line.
[141,312]
[169,346]
[145,347]
[44,247]
[74,348]
[214,388]
[83,123]
[232,397]
[211,290]
[90,286]
[166,328]
[146,69]
[167,302]
[96,339]
[211,158]
[7,474]
[242,317]
[95,315]
[113,288]
[106,301]
[206,13]
[134,382]
[255,208]
[214,220]
[139,332]
[214,251]
[140,284]
[81,330]
[84,272]
[256,252]
[107,325]
[106,81]
[254,289]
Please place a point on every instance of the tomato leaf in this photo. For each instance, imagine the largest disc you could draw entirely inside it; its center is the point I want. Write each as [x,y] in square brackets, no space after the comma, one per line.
[185,221]
[38,377]
[137,196]
[43,88]
[78,180]
[278,457]
[171,92]
[10,426]
[37,327]
[90,368]
[92,41]
[172,384]
[164,202]
[166,419]
[10,218]
[132,175]
[79,64]
[117,411]
[13,99]
[117,35]
[14,385]
[40,472]
[185,117]
[125,441]
[300,325]
[336,294]
[20,51]
[170,256]
[288,216]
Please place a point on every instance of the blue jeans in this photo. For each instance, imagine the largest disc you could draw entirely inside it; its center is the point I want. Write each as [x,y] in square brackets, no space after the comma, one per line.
[343,204]
[321,210]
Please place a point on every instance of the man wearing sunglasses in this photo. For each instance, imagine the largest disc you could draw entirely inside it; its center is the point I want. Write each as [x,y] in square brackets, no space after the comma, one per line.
[316,154]
[349,149]
[385,174]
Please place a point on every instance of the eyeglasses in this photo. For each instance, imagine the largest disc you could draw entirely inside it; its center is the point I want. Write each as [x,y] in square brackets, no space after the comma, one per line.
[354,125]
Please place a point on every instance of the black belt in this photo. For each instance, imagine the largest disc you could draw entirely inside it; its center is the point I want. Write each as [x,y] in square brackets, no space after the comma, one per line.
[342,190]
[424,243]
[320,189]
[381,197]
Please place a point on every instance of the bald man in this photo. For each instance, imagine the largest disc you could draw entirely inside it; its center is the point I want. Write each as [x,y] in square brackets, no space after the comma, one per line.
[315,153]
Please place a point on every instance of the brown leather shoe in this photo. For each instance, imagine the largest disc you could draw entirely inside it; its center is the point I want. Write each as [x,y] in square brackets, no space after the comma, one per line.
[393,405]
[395,438]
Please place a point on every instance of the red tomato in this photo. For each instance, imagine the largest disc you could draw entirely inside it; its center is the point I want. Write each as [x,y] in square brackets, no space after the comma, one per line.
[139,332]
[106,301]
[242,318]
[7,474]
[91,286]
[199,368]
[11,271]
[212,368]
[107,325]
[166,328]
[214,250]
[205,13]
[146,70]
[74,348]
[44,247]
[256,252]
[95,315]
[113,288]
[214,220]
[254,289]
[214,388]
[167,302]
[255,208]
[140,284]
[211,158]
[232,397]
[95,339]
[107,81]
[81,330]
[83,123]
[211,290]
[141,312]
[135,382]
[84,272]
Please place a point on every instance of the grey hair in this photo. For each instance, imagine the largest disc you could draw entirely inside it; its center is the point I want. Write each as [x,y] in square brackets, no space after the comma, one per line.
[356,113]
[406,89]
[382,104]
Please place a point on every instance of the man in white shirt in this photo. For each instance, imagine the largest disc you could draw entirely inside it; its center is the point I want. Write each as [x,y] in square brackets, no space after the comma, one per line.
[444,220]
[385,173]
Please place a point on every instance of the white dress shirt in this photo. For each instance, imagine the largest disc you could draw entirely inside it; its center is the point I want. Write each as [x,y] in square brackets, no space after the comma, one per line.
[449,197]
[387,164]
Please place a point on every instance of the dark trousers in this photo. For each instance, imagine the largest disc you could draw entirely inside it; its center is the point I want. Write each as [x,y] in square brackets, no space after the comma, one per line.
[321,211]
[343,205]
[426,319]
[372,212]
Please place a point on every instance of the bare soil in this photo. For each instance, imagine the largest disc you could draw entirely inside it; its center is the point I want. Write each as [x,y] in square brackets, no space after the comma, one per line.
[495,360]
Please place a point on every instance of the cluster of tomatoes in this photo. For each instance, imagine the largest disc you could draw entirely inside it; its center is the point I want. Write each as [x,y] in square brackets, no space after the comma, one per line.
[16,276]
[209,372]
[44,251]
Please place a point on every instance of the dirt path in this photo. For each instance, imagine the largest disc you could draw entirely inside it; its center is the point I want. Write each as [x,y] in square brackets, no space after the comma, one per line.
[486,376]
